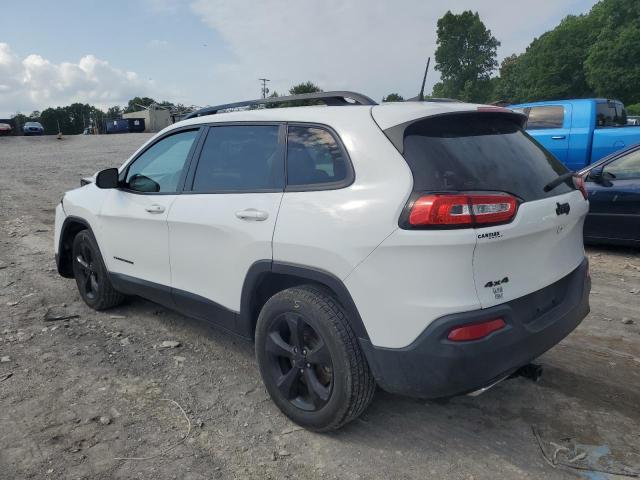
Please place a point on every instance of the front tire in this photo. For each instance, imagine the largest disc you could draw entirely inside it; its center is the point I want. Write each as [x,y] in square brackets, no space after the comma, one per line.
[310,359]
[91,275]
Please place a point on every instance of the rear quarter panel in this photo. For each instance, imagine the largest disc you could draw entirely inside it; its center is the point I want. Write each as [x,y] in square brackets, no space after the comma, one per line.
[334,230]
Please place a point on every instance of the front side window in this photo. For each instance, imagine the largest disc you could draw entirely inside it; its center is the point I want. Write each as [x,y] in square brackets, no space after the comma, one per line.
[240,158]
[314,157]
[159,168]
[541,118]
[625,168]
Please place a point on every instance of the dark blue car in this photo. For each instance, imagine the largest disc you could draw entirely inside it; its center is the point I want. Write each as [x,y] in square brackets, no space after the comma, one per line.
[613,185]
[33,128]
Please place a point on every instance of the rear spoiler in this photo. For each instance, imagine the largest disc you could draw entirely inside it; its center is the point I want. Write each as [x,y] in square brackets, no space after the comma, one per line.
[396,134]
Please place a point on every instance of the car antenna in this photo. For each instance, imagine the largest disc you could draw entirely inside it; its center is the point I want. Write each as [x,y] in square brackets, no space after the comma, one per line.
[424,79]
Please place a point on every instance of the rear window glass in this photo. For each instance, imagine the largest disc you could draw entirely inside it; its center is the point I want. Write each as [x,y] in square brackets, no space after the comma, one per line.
[541,118]
[479,152]
[610,114]
[313,157]
[240,158]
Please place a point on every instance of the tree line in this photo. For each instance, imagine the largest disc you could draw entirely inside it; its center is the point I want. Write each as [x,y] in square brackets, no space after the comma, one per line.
[73,119]
[592,55]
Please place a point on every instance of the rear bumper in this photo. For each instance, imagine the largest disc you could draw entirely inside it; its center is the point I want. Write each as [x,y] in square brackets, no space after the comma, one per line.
[433,366]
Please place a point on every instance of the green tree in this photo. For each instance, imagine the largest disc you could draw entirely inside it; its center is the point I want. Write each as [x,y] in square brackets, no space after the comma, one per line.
[612,67]
[465,57]
[71,120]
[508,83]
[393,97]
[114,112]
[306,87]
[633,109]
[302,88]
[138,103]
[596,54]
[552,66]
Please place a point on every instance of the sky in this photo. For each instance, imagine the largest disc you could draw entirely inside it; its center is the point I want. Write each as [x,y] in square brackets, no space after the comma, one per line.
[207,52]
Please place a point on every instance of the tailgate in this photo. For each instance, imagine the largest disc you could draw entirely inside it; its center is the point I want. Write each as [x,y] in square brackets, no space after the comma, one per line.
[540,246]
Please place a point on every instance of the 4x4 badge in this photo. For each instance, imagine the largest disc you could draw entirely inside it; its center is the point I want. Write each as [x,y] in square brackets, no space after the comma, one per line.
[562,208]
[495,283]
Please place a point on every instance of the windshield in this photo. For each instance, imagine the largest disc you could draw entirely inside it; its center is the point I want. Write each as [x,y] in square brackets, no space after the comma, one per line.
[479,152]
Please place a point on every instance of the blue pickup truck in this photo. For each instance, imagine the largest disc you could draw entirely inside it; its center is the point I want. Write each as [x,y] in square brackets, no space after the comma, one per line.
[579,132]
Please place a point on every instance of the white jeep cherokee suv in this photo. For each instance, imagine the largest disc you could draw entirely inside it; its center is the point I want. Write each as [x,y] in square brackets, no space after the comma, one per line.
[430,248]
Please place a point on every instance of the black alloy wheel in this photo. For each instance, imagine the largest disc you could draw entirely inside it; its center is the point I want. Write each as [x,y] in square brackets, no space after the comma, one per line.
[300,362]
[86,271]
[91,275]
[310,359]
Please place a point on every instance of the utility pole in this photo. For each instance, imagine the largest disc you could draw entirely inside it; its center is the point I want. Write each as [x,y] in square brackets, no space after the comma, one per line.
[265,90]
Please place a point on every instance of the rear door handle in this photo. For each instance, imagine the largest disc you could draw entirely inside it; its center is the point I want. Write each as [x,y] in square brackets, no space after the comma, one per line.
[558,137]
[252,214]
[155,208]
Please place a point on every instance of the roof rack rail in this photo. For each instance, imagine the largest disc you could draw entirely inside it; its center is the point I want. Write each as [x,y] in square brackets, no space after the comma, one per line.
[433,99]
[337,98]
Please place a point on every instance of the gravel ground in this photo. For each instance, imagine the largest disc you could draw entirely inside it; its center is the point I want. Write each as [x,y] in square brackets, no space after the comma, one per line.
[77,394]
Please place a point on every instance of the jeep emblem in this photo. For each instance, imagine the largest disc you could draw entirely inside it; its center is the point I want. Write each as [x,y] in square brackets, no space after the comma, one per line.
[562,208]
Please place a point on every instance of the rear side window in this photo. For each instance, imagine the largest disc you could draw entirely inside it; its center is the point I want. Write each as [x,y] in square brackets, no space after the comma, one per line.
[610,114]
[240,158]
[479,152]
[541,118]
[314,157]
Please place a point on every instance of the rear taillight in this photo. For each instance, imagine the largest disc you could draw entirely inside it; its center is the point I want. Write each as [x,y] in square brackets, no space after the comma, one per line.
[578,182]
[458,210]
[476,331]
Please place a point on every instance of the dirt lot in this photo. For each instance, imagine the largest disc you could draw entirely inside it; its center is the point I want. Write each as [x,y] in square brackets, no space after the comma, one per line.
[77,394]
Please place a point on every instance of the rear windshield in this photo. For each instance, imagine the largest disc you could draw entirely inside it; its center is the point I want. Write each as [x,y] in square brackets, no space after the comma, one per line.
[471,152]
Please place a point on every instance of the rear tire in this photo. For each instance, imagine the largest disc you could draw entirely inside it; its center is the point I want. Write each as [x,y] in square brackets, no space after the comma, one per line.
[310,359]
[91,275]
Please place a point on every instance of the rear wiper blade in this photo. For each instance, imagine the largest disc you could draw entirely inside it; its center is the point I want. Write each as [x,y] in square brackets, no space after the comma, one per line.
[557,181]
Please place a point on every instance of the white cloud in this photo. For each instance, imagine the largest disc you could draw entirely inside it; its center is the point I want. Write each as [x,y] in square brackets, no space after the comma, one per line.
[375,46]
[36,83]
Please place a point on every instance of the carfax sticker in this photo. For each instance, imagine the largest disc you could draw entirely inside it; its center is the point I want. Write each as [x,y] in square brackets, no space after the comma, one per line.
[490,235]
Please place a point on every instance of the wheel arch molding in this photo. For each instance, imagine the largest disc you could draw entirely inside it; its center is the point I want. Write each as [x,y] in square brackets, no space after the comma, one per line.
[266,277]
[71,226]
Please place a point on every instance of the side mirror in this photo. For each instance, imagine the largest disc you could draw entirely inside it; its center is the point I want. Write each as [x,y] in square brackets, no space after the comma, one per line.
[107,178]
[601,177]
[141,183]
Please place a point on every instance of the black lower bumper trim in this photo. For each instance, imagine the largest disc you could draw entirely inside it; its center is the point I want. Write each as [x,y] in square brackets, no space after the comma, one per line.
[433,366]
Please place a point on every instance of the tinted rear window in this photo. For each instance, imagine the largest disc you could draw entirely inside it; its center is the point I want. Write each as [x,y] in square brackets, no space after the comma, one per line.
[479,152]
[610,114]
[240,158]
[313,157]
